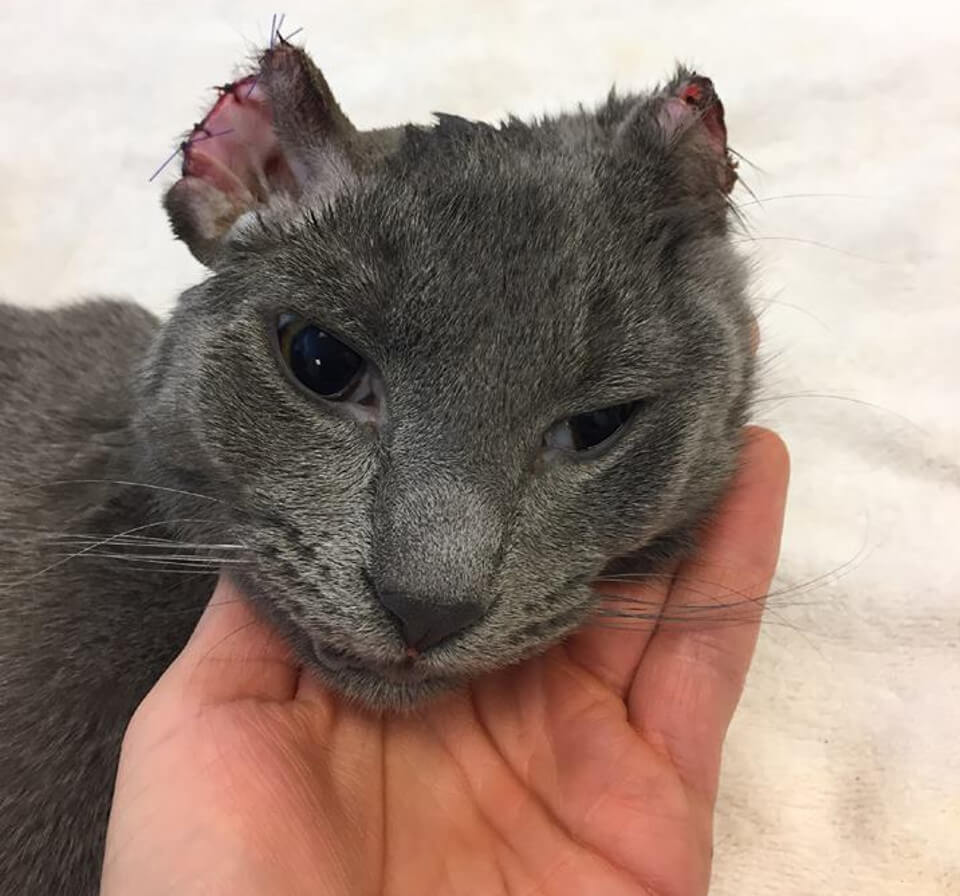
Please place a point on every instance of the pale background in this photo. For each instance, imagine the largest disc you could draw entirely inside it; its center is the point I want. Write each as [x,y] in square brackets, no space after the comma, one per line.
[842,772]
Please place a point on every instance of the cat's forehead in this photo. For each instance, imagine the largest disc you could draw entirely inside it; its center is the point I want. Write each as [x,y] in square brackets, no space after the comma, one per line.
[488,227]
[475,260]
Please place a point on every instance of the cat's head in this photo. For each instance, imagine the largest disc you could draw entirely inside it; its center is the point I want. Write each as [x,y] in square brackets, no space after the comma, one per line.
[441,376]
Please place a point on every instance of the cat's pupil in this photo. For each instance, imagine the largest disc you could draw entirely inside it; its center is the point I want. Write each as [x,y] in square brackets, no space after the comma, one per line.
[594,427]
[322,362]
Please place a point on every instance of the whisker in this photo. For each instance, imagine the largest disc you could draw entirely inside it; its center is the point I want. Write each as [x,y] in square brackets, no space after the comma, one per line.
[67,538]
[176,612]
[173,570]
[794,307]
[635,577]
[801,588]
[717,612]
[197,547]
[87,550]
[184,559]
[743,158]
[816,243]
[191,611]
[789,396]
[839,571]
[691,614]
[226,638]
[762,200]
[126,483]
[749,189]
[652,623]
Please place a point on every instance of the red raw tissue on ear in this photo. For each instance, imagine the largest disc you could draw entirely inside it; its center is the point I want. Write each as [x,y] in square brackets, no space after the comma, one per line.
[699,94]
[235,148]
[268,136]
[694,104]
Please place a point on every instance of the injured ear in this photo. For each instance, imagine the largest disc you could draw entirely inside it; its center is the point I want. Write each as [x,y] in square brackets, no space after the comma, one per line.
[690,111]
[277,134]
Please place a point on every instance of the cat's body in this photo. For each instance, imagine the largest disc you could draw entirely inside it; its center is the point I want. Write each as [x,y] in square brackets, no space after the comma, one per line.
[495,285]
[81,643]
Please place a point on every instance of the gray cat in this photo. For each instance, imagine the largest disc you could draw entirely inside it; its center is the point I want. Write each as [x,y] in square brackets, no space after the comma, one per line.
[439,378]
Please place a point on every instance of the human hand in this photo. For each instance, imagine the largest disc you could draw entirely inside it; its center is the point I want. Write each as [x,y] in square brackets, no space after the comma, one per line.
[591,769]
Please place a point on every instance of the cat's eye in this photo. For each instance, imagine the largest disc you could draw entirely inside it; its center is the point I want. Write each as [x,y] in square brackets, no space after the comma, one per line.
[321,362]
[591,429]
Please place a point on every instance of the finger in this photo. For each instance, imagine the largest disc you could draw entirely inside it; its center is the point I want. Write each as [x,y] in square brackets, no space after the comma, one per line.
[610,646]
[232,655]
[691,676]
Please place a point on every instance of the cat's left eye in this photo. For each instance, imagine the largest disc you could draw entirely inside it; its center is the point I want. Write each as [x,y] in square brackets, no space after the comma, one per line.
[582,432]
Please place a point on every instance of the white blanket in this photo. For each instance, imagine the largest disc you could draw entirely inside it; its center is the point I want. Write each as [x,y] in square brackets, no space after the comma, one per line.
[842,770]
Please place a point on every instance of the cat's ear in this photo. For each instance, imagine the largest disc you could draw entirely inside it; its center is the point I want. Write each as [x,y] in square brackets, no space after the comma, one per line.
[691,116]
[273,136]
[684,122]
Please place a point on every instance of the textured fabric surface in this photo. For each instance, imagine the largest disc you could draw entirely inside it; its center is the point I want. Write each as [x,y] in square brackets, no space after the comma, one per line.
[842,771]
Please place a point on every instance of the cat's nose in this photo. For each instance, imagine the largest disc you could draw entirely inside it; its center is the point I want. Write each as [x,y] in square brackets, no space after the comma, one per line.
[424,622]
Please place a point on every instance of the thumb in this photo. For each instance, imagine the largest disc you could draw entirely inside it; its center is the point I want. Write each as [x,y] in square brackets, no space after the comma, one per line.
[232,655]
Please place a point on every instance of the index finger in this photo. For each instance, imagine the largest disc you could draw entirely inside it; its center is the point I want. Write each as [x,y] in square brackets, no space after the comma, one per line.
[691,676]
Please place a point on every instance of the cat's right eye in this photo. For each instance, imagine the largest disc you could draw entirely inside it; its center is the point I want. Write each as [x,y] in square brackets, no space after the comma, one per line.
[323,363]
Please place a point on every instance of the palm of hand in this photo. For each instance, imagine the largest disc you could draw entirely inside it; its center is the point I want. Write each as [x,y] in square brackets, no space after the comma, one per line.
[591,769]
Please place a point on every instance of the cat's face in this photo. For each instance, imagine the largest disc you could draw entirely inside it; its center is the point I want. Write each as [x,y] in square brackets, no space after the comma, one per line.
[444,513]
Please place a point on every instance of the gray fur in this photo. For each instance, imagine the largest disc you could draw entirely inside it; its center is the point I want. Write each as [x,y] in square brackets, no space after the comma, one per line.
[500,279]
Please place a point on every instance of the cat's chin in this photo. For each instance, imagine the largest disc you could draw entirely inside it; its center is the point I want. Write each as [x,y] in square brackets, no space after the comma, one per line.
[396,687]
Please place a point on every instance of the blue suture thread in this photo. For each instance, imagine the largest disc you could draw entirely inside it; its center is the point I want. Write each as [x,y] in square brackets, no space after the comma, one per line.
[183,145]
[169,159]
[211,136]
[274,27]
[275,34]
